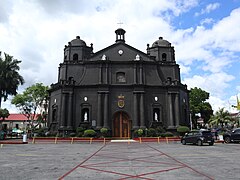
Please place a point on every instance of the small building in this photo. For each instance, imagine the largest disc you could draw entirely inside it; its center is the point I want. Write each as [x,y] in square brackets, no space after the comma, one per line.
[18,121]
[119,87]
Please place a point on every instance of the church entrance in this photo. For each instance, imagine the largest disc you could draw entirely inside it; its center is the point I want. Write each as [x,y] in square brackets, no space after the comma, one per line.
[121,125]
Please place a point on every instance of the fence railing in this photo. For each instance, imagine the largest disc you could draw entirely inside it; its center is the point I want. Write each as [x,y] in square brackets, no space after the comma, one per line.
[73,140]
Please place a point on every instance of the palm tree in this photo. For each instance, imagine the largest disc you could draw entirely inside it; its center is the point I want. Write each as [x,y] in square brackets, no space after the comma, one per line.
[220,117]
[10,79]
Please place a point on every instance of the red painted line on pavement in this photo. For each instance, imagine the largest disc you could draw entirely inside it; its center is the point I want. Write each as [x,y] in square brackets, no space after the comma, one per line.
[108,162]
[81,163]
[112,172]
[181,163]
[166,163]
[155,172]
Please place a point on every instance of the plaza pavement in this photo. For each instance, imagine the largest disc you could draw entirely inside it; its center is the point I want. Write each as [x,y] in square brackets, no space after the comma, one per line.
[98,161]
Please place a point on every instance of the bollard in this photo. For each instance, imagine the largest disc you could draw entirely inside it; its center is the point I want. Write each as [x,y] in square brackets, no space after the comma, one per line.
[90,141]
[128,141]
[167,140]
[33,140]
[158,140]
[24,140]
[1,145]
[140,140]
[55,140]
[104,141]
[72,141]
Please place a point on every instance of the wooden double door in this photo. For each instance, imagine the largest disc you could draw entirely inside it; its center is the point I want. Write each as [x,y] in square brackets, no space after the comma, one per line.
[122,125]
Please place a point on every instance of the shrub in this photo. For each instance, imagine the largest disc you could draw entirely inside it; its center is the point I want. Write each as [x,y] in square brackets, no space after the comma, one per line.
[182,130]
[89,133]
[151,132]
[139,132]
[80,129]
[40,132]
[167,134]
[104,132]
[160,130]
[80,134]
[51,133]
[72,134]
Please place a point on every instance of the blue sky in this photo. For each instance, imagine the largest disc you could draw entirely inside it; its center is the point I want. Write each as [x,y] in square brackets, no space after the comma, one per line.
[205,34]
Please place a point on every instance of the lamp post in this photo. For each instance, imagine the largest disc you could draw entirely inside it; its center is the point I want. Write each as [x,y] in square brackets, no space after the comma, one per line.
[191,124]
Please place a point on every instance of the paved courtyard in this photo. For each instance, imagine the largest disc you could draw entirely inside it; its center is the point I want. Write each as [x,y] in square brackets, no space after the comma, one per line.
[119,161]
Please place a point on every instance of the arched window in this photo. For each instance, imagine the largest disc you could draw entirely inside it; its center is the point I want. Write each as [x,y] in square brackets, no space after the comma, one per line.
[75,57]
[85,115]
[120,77]
[164,56]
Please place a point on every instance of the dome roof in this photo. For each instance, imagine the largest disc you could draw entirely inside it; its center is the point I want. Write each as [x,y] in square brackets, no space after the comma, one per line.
[120,31]
[161,42]
[78,42]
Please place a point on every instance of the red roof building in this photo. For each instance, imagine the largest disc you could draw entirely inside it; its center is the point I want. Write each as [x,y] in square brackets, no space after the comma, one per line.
[14,121]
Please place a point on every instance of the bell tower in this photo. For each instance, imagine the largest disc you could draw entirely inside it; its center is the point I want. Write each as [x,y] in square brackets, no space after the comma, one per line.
[120,35]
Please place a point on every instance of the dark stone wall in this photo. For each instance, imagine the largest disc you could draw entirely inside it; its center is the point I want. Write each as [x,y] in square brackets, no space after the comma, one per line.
[91,87]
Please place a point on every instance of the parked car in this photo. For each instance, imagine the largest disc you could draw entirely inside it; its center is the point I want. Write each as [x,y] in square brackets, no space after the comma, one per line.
[232,136]
[198,137]
[16,132]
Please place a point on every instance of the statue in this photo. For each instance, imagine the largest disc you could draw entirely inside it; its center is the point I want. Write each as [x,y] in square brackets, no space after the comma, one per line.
[85,116]
[156,116]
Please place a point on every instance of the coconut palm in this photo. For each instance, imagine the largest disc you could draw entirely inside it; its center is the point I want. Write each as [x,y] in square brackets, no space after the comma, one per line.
[220,117]
[10,79]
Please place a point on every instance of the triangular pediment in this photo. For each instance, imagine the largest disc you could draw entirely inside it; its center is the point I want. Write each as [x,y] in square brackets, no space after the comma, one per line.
[120,52]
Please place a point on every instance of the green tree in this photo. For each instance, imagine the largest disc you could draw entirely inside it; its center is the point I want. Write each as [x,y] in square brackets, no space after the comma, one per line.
[198,104]
[33,103]
[4,113]
[221,117]
[10,79]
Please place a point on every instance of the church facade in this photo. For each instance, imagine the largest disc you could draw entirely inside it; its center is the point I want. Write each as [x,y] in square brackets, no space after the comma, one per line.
[119,87]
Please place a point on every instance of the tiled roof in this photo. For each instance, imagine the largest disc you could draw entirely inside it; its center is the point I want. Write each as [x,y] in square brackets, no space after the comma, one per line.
[17,117]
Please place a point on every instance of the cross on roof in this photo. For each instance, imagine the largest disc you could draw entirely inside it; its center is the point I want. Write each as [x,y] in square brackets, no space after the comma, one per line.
[120,23]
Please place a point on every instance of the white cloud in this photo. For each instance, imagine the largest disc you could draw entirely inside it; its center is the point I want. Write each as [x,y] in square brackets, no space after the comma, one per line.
[36,32]
[208,9]
[211,7]
[215,83]
[207,21]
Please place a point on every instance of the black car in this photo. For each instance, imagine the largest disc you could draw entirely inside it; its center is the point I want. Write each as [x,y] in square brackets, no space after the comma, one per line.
[198,137]
[232,136]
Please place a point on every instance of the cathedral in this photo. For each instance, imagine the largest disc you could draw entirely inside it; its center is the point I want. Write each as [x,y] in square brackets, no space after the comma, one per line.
[119,87]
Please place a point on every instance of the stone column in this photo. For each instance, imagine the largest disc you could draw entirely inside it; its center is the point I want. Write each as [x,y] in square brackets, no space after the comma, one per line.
[135,112]
[142,118]
[135,74]
[63,114]
[106,121]
[141,74]
[170,109]
[69,120]
[106,77]
[100,74]
[99,115]
[177,114]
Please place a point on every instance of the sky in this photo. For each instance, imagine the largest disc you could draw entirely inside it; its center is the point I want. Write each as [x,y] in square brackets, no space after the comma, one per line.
[204,33]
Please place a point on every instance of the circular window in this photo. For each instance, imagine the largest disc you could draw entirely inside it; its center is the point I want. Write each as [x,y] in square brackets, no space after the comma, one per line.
[120,52]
